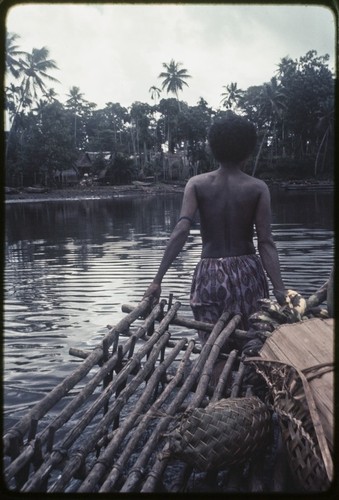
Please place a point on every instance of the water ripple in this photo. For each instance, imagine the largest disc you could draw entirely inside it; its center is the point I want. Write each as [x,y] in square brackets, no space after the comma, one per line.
[62,287]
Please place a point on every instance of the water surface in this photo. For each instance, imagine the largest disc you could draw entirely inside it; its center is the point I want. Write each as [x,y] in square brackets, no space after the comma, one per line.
[70,265]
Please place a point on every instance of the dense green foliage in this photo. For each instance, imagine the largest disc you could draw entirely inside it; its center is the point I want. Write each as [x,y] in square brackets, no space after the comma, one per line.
[293,112]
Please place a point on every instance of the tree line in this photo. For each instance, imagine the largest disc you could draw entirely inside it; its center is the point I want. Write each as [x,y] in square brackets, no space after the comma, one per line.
[293,113]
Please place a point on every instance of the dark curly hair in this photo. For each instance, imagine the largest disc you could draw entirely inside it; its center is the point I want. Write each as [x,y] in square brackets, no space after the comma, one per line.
[232,138]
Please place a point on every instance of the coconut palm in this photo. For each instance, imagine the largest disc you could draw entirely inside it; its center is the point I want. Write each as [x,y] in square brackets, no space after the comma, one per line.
[40,107]
[273,100]
[174,78]
[155,93]
[286,68]
[14,64]
[231,96]
[75,103]
[13,96]
[50,95]
[35,67]
[272,104]
[75,99]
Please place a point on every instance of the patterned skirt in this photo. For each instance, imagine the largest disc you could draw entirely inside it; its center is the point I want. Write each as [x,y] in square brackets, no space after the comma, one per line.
[232,284]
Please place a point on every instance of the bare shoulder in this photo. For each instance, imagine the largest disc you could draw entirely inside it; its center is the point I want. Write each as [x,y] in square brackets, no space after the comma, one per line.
[256,183]
[201,179]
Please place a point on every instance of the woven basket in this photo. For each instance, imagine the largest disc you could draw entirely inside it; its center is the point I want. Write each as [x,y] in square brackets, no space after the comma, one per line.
[301,429]
[222,434]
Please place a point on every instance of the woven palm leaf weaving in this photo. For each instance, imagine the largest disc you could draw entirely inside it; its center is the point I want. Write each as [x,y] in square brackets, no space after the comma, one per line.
[222,434]
[309,457]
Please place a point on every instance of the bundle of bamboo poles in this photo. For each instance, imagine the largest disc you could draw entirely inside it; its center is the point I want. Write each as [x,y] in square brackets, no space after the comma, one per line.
[118,404]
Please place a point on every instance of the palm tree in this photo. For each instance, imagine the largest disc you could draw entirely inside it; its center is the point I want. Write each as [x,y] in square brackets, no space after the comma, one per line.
[34,70]
[50,95]
[14,65]
[36,66]
[232,95]
[286,68]
[13,93]
[14,68]
[76,98]
[116,116]
[155,93]
[174,78]
[40,107]
[272,101]
[75,103]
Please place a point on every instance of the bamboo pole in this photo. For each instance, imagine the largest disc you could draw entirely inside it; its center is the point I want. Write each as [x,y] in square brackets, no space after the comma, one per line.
[191,323]
[208,368]
[204,381]
[67,384]
[238,381]
[202,368]
[227,370]
[78,456]
[137,470]
[69,410]
[79,353]
[105,460]
[317,297]
[59,454]
[179,320]
[156,335]
[143,424]
[75,461]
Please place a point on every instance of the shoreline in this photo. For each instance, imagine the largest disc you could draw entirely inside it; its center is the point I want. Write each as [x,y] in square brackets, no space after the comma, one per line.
[135,189]
[93,192]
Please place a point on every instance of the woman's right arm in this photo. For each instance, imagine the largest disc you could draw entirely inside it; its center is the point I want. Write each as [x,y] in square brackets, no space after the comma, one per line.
[177,239]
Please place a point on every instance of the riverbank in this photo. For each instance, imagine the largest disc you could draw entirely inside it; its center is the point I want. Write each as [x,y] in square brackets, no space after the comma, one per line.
[93,192]
[136,188]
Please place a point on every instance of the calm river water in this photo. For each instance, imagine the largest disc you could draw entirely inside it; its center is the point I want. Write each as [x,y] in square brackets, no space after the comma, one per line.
[69,266]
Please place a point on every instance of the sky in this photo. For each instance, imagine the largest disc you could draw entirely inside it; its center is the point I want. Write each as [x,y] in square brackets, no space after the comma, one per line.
[115,52]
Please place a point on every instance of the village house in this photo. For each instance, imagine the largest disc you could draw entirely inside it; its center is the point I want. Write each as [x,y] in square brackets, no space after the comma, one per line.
[92,165]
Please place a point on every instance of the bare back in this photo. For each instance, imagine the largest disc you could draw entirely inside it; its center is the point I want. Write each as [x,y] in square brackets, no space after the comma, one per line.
[230,204]
[227,200]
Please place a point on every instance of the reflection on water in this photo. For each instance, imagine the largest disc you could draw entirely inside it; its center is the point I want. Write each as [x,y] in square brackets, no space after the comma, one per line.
[71,265]
[312,209]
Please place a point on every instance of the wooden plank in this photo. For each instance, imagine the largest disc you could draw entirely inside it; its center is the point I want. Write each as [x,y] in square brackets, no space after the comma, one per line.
[303,345]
